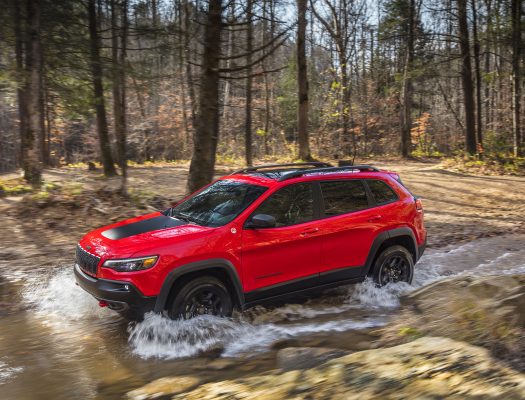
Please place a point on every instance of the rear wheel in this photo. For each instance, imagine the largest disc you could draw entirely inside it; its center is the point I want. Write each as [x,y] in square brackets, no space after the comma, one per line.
[394,264]
[205,295]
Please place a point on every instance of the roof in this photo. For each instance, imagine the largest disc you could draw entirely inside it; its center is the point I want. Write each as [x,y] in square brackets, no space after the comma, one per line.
[282,172]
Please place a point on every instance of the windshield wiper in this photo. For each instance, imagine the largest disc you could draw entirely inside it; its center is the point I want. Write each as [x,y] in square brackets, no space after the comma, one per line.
[184,217]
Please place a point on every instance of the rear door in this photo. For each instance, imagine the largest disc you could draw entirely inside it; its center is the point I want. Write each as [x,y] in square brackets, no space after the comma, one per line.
[349,225]
[285,257]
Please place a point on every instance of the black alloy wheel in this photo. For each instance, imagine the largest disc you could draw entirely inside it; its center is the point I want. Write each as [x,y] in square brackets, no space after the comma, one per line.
[394,264]
[205,295]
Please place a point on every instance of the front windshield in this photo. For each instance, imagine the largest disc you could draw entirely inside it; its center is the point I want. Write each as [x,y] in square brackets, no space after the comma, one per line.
[218,204]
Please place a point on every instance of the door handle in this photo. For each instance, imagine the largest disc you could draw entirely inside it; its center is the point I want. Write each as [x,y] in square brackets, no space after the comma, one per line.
[375,218]
[309,231]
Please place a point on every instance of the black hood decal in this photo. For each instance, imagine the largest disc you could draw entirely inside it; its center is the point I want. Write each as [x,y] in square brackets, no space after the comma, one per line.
[147,225]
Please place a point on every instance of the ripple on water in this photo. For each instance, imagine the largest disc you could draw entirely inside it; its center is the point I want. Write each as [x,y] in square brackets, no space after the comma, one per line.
[7,372]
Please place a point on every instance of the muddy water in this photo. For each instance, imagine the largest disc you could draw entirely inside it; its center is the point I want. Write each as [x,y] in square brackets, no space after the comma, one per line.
[55,342]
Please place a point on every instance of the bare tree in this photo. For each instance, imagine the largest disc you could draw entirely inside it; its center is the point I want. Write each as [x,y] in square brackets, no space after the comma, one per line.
[477,69]
[98,92]
[119,46]
[466,78]
[31,153]
[408,89]
[302,83]
[249,81]
[207,129]
[516,77]
[20,76]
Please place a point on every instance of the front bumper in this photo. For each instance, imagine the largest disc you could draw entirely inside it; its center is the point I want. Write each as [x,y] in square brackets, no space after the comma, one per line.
[120,296]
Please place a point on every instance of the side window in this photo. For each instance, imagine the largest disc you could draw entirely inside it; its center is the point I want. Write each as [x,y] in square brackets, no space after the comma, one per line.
[290,205]
[381,191]
[341,197]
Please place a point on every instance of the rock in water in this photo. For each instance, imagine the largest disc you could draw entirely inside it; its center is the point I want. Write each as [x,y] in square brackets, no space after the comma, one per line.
[429,367]
[484,311]
[164,387]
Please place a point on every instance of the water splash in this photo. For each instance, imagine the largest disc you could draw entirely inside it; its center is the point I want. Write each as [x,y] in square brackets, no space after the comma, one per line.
[160,337]
[368,294]
[57,295]
[7,372]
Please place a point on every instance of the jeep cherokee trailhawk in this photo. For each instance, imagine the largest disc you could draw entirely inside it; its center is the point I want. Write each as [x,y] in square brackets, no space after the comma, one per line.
[258,234]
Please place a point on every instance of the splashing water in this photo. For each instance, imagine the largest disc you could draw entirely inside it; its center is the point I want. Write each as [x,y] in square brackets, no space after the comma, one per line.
[58,296]
[7,372]
[160,337]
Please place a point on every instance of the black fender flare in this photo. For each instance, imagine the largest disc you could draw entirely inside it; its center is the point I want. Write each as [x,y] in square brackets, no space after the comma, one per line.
[205,265]
[382,237]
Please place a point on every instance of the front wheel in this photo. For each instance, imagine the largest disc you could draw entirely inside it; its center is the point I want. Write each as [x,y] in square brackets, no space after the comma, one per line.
[394,264]
[205,295]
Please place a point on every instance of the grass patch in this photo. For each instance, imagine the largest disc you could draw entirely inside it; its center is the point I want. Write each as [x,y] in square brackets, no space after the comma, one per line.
[489,165]
[14,187]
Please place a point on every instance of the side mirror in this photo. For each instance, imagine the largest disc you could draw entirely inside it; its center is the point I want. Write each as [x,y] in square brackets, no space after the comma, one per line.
[262,221]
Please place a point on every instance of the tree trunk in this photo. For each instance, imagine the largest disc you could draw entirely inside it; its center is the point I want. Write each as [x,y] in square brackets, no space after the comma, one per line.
[180,62]
[486,66]
[189,75]
[477,69]
[98,92]
[207,130]
[466,78]
[227,106]
[345,106]
[249,80]
[20,77]
[267,92]
[31,153]
[516,78]
[119,45]
[407,93]
[302,83]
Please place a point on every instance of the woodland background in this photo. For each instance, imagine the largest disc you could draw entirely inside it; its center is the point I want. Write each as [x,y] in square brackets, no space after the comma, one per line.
[120,81]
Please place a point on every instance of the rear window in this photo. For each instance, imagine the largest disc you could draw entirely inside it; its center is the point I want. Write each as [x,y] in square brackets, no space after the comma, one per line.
[381,191]
[342,197]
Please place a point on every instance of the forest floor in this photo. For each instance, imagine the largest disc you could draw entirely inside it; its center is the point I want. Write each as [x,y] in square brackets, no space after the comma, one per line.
[41,227]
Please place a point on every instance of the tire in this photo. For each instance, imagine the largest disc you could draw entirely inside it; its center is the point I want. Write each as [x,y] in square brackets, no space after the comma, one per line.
[204,295]
[394,264]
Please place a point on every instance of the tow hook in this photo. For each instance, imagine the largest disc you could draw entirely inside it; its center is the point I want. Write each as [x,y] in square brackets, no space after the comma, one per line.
[102,303]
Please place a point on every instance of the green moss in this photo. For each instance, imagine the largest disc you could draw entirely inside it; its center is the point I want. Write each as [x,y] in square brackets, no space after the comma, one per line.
[409,331]
[40,196]
[14,187]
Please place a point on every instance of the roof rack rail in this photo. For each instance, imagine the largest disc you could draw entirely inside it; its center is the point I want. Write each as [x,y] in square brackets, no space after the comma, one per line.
[295,174]
[304,164]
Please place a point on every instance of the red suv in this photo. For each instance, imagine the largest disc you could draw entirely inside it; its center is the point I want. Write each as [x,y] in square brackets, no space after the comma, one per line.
[258,234]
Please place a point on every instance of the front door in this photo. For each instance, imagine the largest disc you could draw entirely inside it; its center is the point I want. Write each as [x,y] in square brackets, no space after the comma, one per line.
[286,257]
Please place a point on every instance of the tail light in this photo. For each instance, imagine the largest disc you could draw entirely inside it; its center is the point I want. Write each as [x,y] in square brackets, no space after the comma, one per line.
[419,205]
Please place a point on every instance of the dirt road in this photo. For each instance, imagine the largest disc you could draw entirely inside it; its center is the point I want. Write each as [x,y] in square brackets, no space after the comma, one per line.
[42,229]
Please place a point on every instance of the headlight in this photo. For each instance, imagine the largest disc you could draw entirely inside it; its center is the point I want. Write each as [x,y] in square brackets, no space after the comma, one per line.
[131,264]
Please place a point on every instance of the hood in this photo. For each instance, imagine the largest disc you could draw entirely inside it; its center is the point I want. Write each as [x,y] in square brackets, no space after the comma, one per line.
[129,237]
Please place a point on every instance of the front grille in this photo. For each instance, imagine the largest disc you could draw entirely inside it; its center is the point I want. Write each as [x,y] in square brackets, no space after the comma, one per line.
[87,261]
